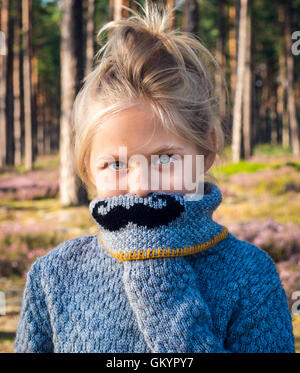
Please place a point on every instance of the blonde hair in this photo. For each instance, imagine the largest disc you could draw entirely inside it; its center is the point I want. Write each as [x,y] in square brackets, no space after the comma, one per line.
[145,61]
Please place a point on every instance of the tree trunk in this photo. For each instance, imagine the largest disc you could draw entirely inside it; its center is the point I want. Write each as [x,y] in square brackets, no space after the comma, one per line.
[221,58]
[16,88]
[71,57]
[9,93]
[111,10]
[3,82]
[40,121]
[116,9]
[232,46]
[272,103]
[263,105]
[282,84]
[26,21]
[247,92]
[291,103]
[274,129]
[90,28]
[34,84]
[190,16]
[47,141]
[237,110]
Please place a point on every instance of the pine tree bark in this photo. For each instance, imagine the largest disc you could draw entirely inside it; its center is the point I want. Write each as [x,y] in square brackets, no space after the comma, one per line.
[90,28]
[116,10]
[232,46]
[273,114]
[291,102]
[16,88]
[111,10]
[190,16]
[9,99]
[72,191]
[221,58]
[34,85]
[48,127]
[3,83]
[281,90]
[237,109]
[26,24]
[263,113]
[247,92]
[40,121]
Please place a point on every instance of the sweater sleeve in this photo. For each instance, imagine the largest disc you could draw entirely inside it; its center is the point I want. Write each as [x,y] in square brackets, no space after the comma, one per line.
[34,329]
[173,316]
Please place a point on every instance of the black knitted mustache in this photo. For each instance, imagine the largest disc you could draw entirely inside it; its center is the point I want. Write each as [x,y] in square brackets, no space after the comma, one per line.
[140,214]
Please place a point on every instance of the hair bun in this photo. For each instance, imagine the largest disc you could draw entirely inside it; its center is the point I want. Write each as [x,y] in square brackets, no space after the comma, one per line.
[155,19]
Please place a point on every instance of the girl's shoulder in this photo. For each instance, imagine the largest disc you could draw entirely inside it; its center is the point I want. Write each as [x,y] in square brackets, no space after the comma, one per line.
[248,262]
[70,250]
[247,252]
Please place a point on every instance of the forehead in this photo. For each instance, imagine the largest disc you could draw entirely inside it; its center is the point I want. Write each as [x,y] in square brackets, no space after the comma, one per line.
[136,128]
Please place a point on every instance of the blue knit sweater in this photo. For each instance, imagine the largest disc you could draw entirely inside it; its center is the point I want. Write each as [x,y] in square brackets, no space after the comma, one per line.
[160,276]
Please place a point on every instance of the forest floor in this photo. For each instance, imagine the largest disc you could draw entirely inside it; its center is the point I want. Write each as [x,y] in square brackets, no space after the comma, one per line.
[264,187]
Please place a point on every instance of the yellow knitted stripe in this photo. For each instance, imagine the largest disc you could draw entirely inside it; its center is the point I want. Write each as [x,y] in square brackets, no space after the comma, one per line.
[167,253]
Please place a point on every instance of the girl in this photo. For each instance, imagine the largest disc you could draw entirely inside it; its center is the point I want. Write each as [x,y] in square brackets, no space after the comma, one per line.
[161,275]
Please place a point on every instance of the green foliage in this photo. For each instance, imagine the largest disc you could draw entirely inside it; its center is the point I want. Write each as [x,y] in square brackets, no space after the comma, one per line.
[278,185]
[48,204]
[29,240]
[271,150]
[47,163]
[242,166]
[295,165]
[46,42]
[8,169]
[101,17]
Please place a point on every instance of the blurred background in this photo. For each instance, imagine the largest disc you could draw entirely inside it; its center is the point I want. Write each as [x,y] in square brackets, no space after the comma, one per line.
[47,47]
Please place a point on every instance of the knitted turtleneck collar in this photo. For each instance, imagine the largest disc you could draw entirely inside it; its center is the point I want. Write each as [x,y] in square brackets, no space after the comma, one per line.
[158,225]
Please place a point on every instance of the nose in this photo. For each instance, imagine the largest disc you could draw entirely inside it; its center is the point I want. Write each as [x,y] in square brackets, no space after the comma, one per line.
[138,182]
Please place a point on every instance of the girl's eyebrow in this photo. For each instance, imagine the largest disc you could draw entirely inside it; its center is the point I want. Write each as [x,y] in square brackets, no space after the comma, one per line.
[167,148]
[162,149]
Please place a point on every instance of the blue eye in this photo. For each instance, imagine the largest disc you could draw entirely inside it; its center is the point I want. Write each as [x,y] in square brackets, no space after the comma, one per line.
[117,162]
[166,158]
[163,159]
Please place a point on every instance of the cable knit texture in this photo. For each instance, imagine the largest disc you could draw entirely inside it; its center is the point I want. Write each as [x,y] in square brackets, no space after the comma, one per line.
[121,290]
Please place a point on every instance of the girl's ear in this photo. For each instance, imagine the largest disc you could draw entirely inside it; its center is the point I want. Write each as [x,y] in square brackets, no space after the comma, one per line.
[213,138]
[210,157]
[209,160]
